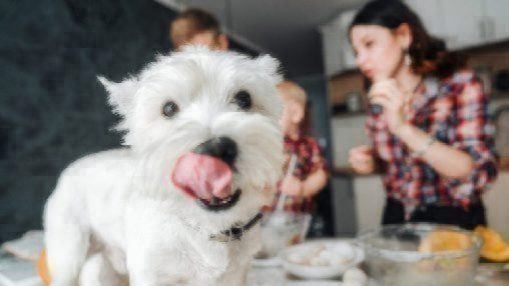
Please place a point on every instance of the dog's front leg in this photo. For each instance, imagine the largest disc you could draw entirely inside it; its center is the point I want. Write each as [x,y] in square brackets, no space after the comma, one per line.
[238,277]
[154,253]
[150,269]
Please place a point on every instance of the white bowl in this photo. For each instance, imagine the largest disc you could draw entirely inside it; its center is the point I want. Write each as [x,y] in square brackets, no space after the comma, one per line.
[323,259]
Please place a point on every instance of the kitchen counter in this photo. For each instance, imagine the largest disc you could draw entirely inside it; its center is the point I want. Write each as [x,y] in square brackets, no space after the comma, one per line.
[276,276]
[492,274]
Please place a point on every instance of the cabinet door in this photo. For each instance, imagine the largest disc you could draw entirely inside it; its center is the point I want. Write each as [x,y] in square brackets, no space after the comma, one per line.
[497,18]
[331,43]
[462,22]
[338,53]
[345,20]
[347,132]
[457,22]
[430,14]
[369,202]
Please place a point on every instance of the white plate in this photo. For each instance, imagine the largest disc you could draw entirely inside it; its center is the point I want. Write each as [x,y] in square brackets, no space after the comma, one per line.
[314,283]
[266,262]
[326,251]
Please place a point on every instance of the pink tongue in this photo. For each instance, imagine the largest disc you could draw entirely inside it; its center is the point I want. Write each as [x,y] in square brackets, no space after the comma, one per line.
[202,176]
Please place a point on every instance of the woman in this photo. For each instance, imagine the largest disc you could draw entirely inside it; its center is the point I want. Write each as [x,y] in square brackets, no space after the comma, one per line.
[430,132]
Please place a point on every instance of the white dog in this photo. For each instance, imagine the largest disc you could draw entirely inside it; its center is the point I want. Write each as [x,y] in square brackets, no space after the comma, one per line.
[181,205]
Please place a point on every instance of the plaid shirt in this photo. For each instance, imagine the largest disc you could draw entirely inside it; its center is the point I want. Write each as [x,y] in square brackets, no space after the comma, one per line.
[454,111]
[309,160]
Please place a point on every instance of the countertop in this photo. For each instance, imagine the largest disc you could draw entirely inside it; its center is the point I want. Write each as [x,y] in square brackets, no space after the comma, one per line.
[488,274]
[492,274]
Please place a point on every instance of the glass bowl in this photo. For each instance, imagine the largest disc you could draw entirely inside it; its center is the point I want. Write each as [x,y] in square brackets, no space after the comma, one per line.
[421,255]
[282,229]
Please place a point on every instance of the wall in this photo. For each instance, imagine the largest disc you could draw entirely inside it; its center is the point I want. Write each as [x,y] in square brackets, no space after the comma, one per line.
[52,109]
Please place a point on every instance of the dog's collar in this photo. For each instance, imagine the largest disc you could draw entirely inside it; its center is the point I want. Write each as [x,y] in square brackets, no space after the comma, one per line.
[236,231]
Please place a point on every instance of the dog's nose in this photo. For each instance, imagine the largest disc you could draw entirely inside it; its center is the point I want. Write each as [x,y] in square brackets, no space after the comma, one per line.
[223,148]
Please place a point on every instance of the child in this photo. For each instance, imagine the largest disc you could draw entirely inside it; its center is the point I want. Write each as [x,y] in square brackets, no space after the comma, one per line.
[309,174]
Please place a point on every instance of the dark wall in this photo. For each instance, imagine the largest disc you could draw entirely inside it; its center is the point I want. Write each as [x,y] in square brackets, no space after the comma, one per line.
[52,109]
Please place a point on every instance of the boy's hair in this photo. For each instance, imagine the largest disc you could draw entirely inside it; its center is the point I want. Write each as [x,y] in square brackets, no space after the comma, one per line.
[289,90]
[194,21]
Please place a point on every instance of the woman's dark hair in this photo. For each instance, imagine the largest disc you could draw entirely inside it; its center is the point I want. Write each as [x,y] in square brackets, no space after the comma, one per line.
[429,54]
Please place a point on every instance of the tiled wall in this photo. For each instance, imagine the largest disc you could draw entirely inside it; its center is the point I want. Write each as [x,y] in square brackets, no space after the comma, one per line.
[52,109]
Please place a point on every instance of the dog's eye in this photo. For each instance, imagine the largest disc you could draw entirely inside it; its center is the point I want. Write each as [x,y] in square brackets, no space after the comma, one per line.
[243,100]
[170,109]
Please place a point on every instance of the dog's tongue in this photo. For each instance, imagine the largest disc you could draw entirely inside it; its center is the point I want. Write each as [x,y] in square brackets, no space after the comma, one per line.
[202,176]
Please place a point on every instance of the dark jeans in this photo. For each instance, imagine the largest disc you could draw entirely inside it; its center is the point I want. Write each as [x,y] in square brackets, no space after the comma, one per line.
[476,215]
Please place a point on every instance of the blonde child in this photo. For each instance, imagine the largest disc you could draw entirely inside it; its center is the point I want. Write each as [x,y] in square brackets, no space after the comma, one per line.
[309,174]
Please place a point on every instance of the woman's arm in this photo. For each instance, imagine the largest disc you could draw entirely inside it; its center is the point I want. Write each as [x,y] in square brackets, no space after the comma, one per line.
[446,160]
[469,156]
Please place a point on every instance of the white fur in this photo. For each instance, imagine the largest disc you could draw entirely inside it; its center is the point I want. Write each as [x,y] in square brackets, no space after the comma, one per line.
[117,212]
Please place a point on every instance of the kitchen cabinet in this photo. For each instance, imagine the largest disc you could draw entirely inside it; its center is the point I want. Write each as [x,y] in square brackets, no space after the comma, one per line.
[497,12]
[495,200]
[347,132]
[358,203]
[331,41]
[464,23]
[337,51]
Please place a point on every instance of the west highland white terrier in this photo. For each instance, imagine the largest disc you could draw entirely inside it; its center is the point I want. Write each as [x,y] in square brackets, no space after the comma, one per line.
[181,204]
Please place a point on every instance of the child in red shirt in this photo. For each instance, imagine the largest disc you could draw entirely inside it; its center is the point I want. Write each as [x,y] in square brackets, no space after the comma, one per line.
[308,171]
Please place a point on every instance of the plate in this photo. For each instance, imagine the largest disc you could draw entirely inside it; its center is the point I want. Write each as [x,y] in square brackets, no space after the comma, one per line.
[314,283]
[266,262]
[321,259]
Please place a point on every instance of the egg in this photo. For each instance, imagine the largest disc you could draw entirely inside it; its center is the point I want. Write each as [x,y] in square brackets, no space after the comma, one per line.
[355,275]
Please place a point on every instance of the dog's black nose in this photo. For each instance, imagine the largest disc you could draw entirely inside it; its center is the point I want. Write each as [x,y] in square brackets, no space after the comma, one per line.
[220,147]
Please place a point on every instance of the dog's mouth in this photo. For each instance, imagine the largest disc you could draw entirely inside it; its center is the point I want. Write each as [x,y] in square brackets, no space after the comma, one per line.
[220,204]
[207,179]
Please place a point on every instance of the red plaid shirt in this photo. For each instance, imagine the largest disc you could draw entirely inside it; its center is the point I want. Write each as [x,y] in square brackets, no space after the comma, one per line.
[454,111]
[309,160]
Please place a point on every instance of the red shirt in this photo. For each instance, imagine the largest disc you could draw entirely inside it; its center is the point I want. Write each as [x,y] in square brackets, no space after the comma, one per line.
[309,159]
[454,111]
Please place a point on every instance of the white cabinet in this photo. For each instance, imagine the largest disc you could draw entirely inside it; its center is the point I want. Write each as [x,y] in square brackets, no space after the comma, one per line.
[495,201]
[358,203]
[369,201]
[331,43]
[464,23]
[347,132]
[338,54]
[497,15]
[431,15]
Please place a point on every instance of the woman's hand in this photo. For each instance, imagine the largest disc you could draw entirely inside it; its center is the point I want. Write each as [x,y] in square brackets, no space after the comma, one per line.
[291,186]
[361,159]
[396,106]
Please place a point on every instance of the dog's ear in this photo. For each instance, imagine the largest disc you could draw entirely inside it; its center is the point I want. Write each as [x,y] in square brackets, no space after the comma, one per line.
[271,66]
[120,95]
